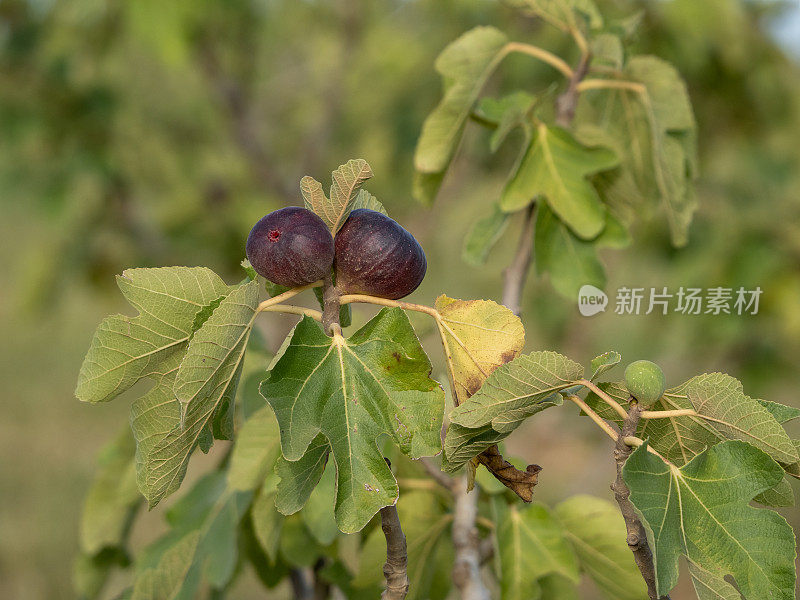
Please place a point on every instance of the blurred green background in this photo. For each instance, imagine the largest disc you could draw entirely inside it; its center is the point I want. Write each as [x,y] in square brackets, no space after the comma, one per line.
[145,133]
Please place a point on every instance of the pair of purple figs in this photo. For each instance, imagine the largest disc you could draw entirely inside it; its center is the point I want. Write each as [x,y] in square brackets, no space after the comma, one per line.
[371,253]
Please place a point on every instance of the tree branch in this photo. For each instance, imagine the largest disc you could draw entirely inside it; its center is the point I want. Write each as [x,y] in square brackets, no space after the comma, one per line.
[517,272]
[437,474]
[637,536]
[567,102]
[467,566]
[302,582]
[395,570]
[330,304]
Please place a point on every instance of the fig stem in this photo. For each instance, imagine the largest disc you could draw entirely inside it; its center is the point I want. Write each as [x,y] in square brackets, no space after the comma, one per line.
[286,295]
[330,305]
[604,397]
[294,310]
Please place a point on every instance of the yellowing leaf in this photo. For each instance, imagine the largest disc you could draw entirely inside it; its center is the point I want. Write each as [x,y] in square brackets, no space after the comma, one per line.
[480,335]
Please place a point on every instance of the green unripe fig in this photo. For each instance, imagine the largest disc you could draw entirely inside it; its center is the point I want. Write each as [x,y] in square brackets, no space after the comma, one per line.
[645,381]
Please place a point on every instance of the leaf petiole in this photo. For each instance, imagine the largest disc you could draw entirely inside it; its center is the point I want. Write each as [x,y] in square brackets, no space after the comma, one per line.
[604,397]
[543,55]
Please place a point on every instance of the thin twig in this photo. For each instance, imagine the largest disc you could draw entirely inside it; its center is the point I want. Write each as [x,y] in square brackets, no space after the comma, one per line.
[517,272]
[567,102]
[302,582]
[291,309]
[395,570]
[486,550]
[637,536]
[286,295]
[467,566]
[437,474]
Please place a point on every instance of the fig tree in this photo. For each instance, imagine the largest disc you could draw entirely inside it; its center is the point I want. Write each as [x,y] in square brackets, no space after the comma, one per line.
[291,247]
[376,256]
[645,381]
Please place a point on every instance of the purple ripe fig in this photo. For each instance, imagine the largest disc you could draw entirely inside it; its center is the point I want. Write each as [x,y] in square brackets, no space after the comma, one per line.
[376,256]
[291,247]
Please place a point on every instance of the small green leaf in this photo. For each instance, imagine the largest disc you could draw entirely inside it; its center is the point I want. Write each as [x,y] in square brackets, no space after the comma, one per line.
[781,412]
[506,113]
[556,166]
[607,50]
[164,582]
[484,235]
[352,390]
[531,545]
[345,183]
[604,363]
[596,531]
[90,572]
[112,499]
[209,514]
[570,261]
[297,547]
[255,451]
[614,235]
[267,521]
[778,496]
[653,131]
[366,200]
[701,510]
[425,186]
[462,444]
[564,14]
